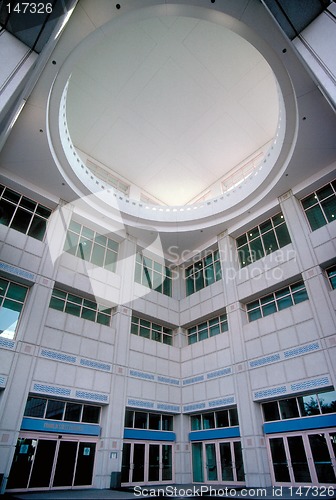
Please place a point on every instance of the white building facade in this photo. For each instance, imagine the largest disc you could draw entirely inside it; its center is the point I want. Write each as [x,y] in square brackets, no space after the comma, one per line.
[129,357]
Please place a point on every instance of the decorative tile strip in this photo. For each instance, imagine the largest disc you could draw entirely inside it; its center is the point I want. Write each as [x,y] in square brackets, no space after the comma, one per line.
[58,356]
[194,407]
[50,389]
[140,403]
[219,373]
[168,380]
[92,396]
[222,402]
[142,375]
[17,271]
[266,393]
[310,384]
[193,380]
[7,343]
[3,381]
[301,350]
[265,360]
[96,365]
[167,407]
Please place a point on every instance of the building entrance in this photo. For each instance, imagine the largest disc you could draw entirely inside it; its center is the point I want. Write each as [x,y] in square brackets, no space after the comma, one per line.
[48,462]
[144,462]
[218,461]
[305,458]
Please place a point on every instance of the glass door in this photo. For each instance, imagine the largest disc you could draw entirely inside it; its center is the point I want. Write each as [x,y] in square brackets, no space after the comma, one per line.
[146,463]
[307,458]
[51,463]
[218,461]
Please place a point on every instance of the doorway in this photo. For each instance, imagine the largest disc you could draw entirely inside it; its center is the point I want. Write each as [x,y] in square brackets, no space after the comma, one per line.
[305,458]
[48,462]
[217,461]
[144,462]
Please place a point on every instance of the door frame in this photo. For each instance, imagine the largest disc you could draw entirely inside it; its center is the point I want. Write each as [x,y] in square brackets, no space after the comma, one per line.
[217,443]
[309,456]
[42,436]
[146,462]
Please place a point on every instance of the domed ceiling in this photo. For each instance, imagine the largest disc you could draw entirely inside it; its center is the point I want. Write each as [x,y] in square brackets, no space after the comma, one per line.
[172,105]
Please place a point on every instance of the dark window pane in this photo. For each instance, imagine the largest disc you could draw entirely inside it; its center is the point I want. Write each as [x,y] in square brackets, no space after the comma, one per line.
[75,227]
[167,422]
[309,201]
[129,414]
[112,245]
[300,296]
[270,242]
[37,228]
[17,292]
[35,407]
[73,309]
[222,418]
[27,203]
[196,423]
[91,414]
[283,235]
[43,211]
[242,240]
[324,192]
[110,261]
[288,408]
[21,220]
[315,217]
[103,319]
[87,233]
[73,412]
[11,195]
[102,240]
[6,212]
[208,421]
[55,409]
[233,414]
[253,233]
[271,411]
[329,207]
[84,249]
[140,420]
[269,309]
[57,304]
[88,314]
[257,251]
[255,314]
[154,421]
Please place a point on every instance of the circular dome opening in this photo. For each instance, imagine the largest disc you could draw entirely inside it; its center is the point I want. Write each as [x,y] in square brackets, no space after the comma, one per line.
[172,110]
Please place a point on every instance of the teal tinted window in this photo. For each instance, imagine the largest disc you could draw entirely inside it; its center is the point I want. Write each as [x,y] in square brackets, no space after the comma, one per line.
[78,306]
[276,301]
[261,240]
[331,273]
[153,331]
[203,273]
[206,329]
[320,206]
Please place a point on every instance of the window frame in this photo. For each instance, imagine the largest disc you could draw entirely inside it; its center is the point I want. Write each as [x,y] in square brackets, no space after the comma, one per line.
[4,297]
[331,276]
[33,213]
[82,236]
[318,203]
[199,418]
[260,304]
[146,270]
[165,332]
[196,329]
[250,237]
[65,402]
[82,304]
[163,416]
[195,274]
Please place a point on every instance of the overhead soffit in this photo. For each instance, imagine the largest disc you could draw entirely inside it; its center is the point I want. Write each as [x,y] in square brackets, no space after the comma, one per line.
[171,104]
